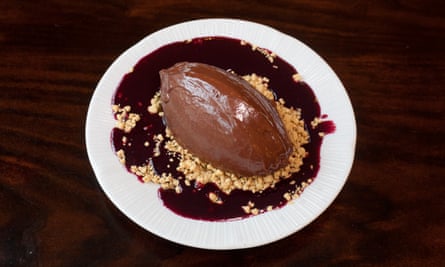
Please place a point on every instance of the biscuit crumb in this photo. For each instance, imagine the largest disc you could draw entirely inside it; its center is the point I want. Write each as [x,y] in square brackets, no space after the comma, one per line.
[195,170]
[149,175]
[268,54]
[214,198]
[125,120]
[297,77]
[121,156]
[158,139]
[197,173]
[249,208]
[255,211]
[155,104]
[315,122]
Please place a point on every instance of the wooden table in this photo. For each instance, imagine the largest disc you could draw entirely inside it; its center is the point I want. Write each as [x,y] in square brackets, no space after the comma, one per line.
[389,54]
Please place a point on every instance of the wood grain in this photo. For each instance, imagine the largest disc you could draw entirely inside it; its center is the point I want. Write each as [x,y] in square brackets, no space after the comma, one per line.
[389,55]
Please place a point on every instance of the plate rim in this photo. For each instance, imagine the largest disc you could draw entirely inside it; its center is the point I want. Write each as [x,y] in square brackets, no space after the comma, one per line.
[195,26]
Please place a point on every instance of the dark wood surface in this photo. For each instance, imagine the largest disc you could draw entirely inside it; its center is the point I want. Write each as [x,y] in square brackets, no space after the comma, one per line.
[390,56]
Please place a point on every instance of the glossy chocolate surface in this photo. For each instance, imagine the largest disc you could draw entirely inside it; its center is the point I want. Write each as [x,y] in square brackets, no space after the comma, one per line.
[223,120]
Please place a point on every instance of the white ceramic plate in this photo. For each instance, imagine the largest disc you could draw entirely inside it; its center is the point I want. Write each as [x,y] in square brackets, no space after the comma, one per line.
[140,202]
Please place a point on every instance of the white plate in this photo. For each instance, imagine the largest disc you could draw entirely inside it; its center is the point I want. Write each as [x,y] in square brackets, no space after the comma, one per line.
[140,202]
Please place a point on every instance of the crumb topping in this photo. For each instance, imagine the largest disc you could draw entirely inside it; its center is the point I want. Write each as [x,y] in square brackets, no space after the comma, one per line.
[268,54]
[196,172]
[125,120]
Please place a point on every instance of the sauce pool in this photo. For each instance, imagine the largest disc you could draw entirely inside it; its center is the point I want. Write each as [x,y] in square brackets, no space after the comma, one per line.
[140,85]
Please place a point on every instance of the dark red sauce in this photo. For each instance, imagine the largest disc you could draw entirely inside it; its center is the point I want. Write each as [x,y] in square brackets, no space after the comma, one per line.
[139,86]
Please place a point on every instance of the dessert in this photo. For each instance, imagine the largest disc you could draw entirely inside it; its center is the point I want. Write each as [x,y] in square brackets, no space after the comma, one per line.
[223,120]
[188,185]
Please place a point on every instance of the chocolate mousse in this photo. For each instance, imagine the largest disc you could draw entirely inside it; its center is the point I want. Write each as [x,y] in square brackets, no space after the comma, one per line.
[223,120]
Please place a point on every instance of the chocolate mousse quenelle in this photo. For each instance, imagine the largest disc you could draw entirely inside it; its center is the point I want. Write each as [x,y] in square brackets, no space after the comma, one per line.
[223,120]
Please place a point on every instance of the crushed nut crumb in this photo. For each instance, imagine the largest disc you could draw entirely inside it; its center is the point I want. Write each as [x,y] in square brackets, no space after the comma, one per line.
[121,156]
[214,198]
[155,104]
[197,172]
[297,77]
[125,120]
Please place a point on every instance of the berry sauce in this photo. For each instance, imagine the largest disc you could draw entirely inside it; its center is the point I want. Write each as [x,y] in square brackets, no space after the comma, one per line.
[142,82]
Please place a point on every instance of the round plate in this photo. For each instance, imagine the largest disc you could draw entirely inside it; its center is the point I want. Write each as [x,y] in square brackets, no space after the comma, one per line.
[140,202]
